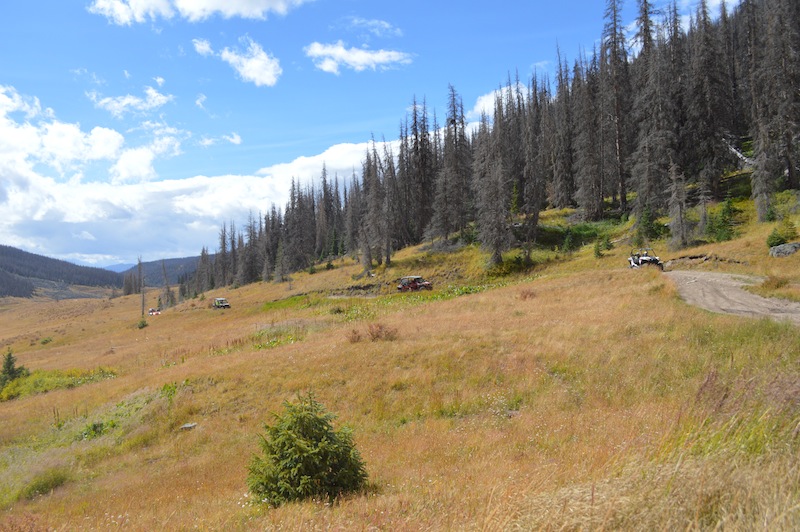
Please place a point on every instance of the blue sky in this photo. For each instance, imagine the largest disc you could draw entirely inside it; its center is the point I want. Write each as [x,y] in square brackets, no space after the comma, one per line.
[137,127]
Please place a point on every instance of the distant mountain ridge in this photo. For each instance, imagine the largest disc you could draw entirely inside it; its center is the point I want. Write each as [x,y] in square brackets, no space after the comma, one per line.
[154,270]
[19,271]
[23,273]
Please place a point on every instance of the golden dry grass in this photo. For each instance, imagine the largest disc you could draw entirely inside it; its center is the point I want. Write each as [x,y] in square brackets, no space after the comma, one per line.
[581,396]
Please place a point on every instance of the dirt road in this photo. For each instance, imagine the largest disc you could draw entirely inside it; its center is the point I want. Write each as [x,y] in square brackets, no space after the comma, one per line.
[720,292]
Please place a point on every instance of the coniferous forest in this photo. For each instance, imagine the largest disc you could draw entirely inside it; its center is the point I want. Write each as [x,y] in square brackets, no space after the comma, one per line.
[643,128]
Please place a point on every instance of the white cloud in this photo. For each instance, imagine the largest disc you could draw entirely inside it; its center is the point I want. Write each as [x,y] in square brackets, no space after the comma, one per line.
[120,105]
[233,138]
[254,65]
[331,57]
[135,164]
[201,99]
[62,144]
[483,105]
[202,47]
[134,213]
[378,28]
[40,138]
[159,81]
[127,12]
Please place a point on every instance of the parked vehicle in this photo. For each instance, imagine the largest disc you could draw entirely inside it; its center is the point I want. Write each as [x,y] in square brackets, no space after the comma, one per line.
[220,302]
[413,283]
[641,257]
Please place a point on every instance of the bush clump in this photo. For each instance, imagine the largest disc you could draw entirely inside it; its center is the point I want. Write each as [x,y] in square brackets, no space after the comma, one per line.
[783,233]
[305,458]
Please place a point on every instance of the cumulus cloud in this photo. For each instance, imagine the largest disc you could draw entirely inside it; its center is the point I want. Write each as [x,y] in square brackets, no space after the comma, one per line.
[134,213]
[484,104]
[120,105]
[202,47]
[63,144]
[36,137]
[128,12]
[331,57]
[253,65]
[135,164]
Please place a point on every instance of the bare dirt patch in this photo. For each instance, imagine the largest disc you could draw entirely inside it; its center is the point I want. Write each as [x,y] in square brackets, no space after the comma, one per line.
[722,292]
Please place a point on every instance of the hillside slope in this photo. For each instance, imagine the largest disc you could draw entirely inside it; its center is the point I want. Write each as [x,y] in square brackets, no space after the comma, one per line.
[580,394]
[27,267]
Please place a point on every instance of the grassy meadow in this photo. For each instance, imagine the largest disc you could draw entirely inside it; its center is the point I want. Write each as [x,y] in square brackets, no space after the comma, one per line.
[576,395]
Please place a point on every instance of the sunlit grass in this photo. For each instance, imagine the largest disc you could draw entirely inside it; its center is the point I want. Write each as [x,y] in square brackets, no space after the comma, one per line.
[576,394]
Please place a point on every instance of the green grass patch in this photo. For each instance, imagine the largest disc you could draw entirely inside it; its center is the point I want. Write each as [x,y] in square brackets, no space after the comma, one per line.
[45,482]
[275,336]
[300,301]
[43,381]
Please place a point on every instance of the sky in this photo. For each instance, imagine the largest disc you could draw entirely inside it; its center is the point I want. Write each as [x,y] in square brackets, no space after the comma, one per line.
[136,128]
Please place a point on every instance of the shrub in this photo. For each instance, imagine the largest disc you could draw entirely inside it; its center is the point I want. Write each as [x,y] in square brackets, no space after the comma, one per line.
[721,227]
[304,458]
[783,233]
[775,238]
[379,331]
[10,371]
[598,252]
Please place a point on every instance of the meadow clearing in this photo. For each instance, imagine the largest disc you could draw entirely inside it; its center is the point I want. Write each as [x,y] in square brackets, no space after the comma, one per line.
[577,395]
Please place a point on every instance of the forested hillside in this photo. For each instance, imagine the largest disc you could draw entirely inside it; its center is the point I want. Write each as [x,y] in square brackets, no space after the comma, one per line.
[173,271]
[17,267]
[647,129]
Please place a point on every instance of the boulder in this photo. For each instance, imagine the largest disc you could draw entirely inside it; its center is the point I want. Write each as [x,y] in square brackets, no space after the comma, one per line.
[784,250]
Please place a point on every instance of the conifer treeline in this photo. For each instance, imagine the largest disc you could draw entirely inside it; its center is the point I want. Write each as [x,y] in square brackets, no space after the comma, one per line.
[615,132]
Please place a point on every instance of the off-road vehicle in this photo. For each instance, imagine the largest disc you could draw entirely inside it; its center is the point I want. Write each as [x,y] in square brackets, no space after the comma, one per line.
[413,283]
[641,257]
[220,302]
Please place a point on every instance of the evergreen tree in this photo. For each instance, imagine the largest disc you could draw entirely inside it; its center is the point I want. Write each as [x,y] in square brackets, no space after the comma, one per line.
[535,171]
[451,203]
[563,146]
[588,157]
[616,90]
[706,111]
[492,194]
[679,226]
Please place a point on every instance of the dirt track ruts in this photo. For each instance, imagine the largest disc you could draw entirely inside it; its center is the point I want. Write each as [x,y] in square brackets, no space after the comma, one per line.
[721,292]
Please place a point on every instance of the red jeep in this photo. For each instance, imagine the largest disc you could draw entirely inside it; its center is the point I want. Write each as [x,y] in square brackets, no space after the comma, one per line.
[412,283]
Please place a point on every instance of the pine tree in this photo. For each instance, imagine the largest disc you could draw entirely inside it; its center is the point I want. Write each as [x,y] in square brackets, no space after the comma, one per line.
[679,226]
[563,145]
[656,118]
[535,172]
[453,179]
[588,157]
[489,181]
[616,91]
[706,111]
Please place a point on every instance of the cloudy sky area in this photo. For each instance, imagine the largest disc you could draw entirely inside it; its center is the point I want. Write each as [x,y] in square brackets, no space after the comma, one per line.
[135,128]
